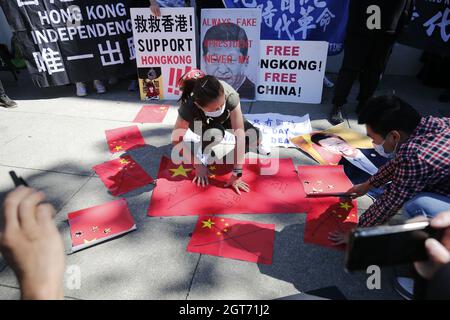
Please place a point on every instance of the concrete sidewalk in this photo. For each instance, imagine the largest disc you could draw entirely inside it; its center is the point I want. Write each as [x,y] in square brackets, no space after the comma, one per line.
[54,138]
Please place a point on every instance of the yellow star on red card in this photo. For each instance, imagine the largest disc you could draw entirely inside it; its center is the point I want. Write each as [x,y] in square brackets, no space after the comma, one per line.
[124,161]
[180,171]
[207,223]
[345,205]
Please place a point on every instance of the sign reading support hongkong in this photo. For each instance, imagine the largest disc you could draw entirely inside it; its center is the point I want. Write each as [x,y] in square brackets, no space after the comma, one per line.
[165,50]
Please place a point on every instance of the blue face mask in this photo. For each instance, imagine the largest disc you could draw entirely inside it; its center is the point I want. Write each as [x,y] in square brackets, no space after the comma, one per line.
[380,149]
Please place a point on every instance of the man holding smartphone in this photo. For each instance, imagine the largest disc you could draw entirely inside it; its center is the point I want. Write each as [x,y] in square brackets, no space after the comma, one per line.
[418,174]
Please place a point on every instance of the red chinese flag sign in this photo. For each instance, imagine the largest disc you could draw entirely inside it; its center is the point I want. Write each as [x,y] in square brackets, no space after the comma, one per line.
[96,224]
[176,195]
[123,139]
[234,239]
[122,175]
[152,114]
[328,215]
[323,180]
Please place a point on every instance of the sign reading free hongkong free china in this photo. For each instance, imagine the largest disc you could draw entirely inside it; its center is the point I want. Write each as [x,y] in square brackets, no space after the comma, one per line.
[291,71]
[165,47]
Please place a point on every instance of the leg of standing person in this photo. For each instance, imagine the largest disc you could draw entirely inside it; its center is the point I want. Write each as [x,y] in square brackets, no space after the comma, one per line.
[355,53]
[5,101]
[375,66]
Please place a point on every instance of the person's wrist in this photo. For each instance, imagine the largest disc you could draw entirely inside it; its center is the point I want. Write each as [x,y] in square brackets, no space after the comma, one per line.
[30,290]
[237,172]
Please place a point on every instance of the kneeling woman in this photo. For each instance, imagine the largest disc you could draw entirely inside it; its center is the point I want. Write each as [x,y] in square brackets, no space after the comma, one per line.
[211,105]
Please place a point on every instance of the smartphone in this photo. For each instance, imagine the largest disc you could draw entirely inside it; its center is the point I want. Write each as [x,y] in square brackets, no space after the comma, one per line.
[388,245]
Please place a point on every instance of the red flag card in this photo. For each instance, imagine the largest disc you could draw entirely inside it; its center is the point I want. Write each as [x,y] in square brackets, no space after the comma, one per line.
[123,139]
[324,180]
[327,215]
[91,226]
[176,195]
[152,114]
[234,239]
[122,175]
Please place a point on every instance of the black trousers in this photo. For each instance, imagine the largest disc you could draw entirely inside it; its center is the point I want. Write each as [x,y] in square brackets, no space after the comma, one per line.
[2,90]
[365,57]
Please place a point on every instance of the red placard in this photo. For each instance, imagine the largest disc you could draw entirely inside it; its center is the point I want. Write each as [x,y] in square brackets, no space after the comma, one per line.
[122,175]
[123,139]
[176,195]
[328,215]
[152,114]
[323,180]
[234,239]
[100,223]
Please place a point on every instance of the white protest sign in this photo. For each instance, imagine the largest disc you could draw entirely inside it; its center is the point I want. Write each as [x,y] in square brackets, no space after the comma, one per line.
[165,49]
[230,47]
[291,71]
[277,128]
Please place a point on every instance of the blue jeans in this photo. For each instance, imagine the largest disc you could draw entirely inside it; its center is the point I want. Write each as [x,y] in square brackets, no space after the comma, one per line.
[426,204]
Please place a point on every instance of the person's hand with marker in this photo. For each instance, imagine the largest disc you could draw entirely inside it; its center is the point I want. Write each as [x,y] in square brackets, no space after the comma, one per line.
[236,182]
[31,244]
[154,8]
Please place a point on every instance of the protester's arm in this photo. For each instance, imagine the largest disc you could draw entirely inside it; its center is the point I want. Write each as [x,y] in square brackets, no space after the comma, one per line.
[382,177]
[184,151]
[237,123]
[384,174]
[32,245]
[179,130]
[410,178]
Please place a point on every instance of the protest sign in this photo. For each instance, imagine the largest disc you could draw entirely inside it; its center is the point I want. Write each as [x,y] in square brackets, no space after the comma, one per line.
[230,47]
[277,129]
[322,20]
[70,41]
[165,50]
[429,28]
[292,71]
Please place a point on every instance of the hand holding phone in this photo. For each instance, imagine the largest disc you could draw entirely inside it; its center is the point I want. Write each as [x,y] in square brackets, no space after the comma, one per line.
[438,252]
[389,245]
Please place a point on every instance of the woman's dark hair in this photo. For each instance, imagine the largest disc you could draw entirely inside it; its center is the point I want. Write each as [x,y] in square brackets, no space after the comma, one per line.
[203,90]
[387,113]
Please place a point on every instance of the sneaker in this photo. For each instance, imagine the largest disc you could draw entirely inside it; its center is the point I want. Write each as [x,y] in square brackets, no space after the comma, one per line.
[99,87]
[404,287]
[336,115]
[133,86]
[81,89]
[6,102]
